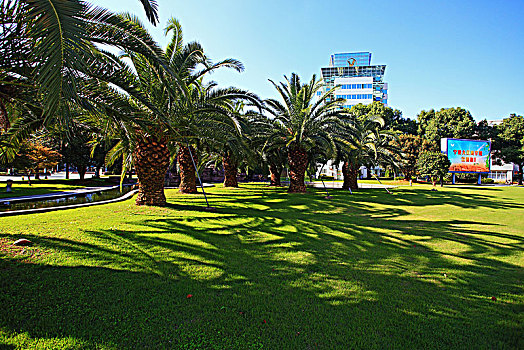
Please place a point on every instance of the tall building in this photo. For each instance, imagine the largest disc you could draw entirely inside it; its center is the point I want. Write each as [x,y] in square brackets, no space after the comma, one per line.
[359,81]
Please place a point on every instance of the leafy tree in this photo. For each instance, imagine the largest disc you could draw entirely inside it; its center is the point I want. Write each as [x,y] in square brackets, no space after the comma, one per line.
[410,146]
[484,131]
[301,124]
[433,164]
[392,118]
[510,142]
[77,151]
[448,122]
[32,156]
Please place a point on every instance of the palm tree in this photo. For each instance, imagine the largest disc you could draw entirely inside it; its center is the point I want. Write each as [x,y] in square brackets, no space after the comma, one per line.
[180,110]
[301,123]
[49,58]
[207,115]
[276,159]
[365,142]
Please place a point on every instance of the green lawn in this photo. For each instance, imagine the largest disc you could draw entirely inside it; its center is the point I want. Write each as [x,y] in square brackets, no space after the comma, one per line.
[415,269]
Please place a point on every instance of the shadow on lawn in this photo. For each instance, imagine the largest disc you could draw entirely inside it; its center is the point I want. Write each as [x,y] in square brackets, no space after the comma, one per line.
[262,275]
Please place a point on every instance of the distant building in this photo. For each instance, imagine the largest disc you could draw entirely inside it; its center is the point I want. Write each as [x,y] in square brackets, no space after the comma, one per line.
[358,80]
[504,172]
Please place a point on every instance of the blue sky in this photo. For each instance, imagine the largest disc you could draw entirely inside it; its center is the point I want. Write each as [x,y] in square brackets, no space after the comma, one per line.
[438,53]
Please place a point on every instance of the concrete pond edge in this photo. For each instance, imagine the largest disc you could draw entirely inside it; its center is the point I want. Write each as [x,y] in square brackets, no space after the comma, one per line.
[65,207]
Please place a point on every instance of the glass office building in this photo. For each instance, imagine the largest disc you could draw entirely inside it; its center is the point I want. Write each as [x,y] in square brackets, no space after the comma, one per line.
[358,80]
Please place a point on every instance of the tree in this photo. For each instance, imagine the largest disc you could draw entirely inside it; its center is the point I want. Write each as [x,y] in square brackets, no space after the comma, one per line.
[433,164]
[276,160]
[49,53]
[271,151]
[32,156]
[233,145]
[484,131]
[410,146]
[176,109]
[510,142]
[77,151]
[365,142]
[301,124]
[446,123]
[392,117]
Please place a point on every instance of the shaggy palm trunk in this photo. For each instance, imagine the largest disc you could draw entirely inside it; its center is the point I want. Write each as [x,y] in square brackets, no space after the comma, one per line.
[275,171]
[297,169]
[230,171]
[350,173]
[82,171]
[151,159]
[4,118]
[187,169]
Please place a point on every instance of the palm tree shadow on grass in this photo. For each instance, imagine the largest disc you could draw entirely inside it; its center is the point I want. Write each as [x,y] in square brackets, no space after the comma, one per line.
[317,277]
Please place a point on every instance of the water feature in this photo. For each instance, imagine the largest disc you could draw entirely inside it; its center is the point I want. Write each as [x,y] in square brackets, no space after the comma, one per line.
[72,199]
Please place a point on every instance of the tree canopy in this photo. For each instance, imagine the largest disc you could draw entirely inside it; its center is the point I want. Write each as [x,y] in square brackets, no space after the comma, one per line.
[510,141]
[433,164]
[447,122]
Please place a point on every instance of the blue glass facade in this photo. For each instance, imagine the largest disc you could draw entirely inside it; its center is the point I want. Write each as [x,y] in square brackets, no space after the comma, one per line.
[342,59]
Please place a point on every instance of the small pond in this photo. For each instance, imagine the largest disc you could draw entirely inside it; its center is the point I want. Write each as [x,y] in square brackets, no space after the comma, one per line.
[77,198]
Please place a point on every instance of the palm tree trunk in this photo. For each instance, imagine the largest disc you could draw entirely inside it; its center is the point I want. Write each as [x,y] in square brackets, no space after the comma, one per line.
[345,174]
[275,171]
[151,159]
[4,118]
[82,171]
[230,171]
[187,170]
[350,173]
[297,170]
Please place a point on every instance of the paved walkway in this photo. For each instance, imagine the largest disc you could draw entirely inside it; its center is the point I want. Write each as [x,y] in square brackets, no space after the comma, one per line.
[331,184]
[56,176]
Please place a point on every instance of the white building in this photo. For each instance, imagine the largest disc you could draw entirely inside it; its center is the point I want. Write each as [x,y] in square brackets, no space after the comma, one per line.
[504,172]
[357,90]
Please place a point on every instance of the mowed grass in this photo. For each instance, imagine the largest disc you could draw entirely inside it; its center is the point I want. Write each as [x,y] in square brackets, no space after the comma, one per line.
[269,270]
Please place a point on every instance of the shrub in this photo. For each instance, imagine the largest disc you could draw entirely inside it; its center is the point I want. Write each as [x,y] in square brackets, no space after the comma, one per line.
[487,180]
